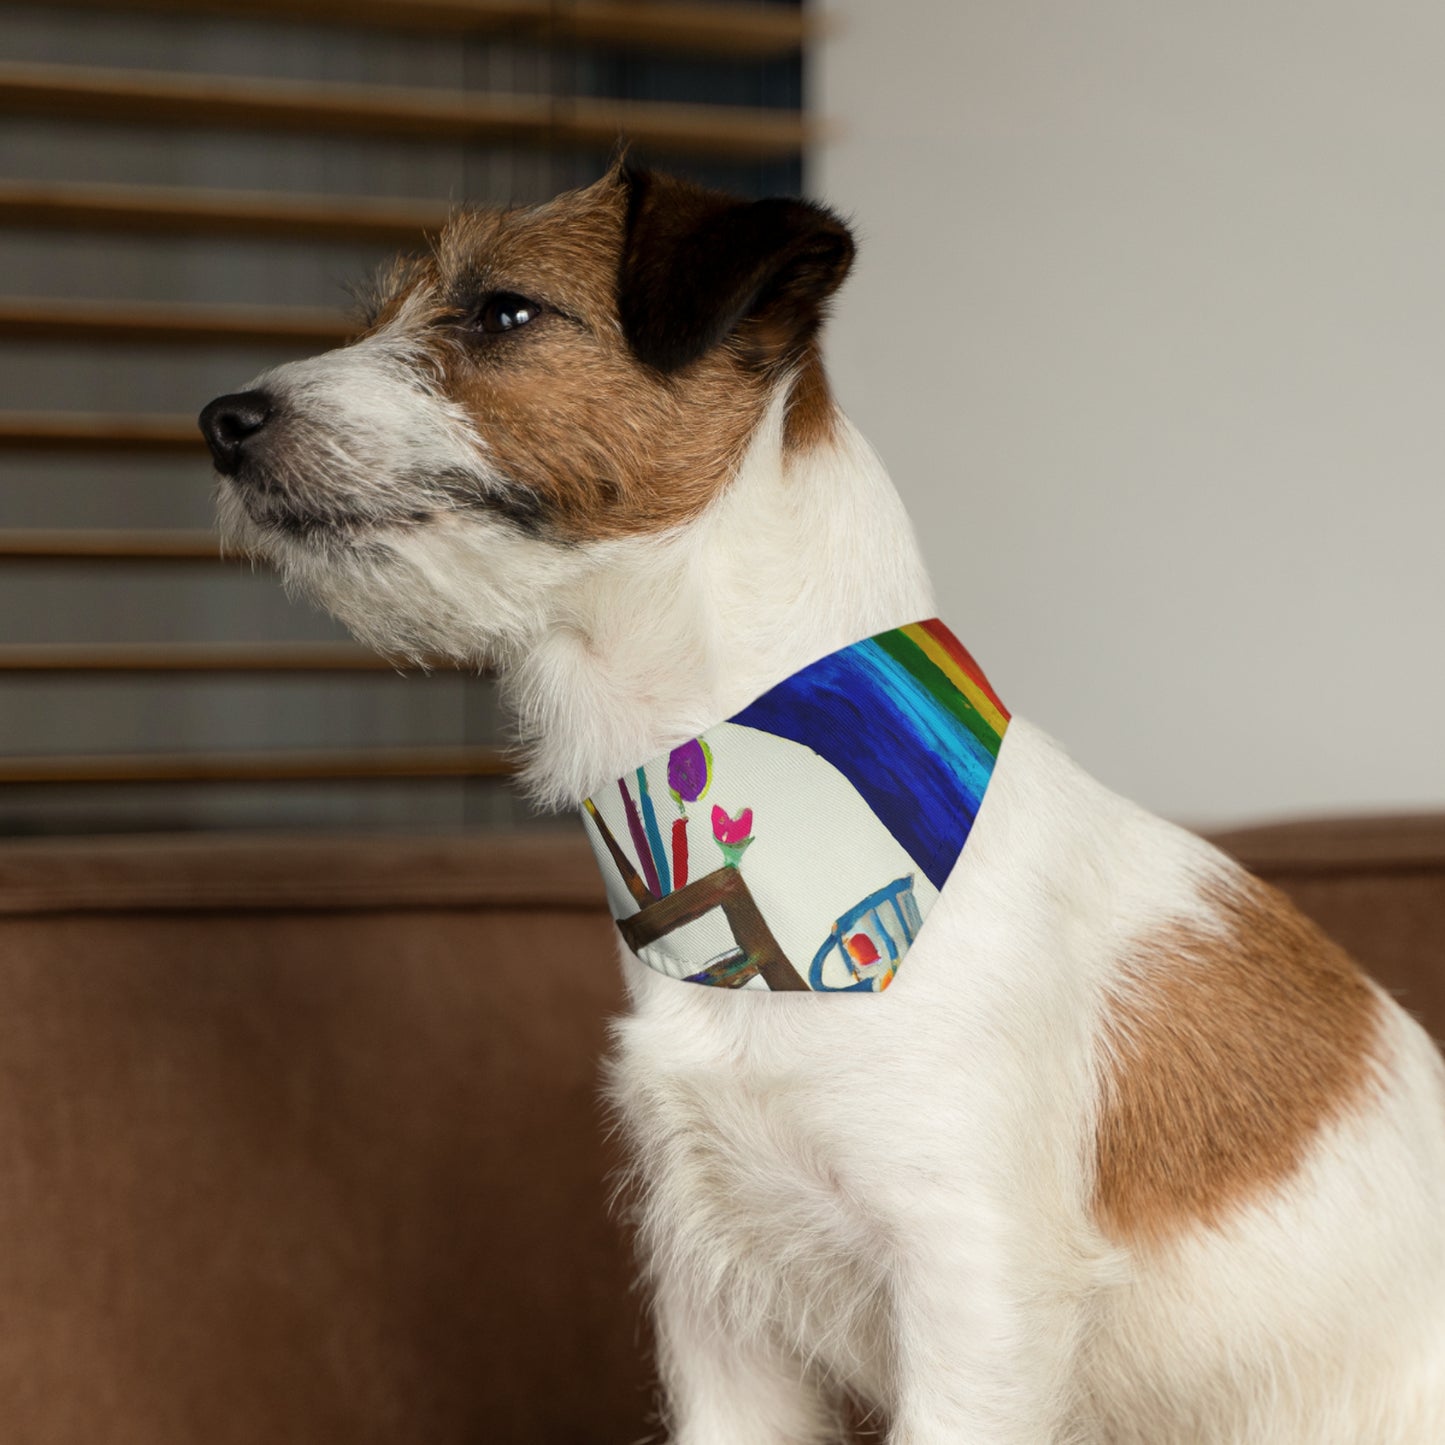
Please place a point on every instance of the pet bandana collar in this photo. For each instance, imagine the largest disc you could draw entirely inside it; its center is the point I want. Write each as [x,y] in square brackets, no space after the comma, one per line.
[800,844]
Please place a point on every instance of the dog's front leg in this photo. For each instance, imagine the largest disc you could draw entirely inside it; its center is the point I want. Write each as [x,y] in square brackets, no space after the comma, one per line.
[721,1388]
[985,1340]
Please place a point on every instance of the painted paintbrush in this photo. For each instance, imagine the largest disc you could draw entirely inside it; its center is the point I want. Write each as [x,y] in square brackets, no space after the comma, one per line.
[689,776]
[639,839]
[635,886]
[654,835]
[679,852]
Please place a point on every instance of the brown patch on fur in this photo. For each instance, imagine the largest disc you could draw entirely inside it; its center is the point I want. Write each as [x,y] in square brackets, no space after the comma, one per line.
[605,445]
[1227,1053]
[594,442]
[812,418]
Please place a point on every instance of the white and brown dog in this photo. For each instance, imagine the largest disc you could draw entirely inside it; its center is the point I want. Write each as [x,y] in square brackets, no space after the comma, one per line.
[1142,1158]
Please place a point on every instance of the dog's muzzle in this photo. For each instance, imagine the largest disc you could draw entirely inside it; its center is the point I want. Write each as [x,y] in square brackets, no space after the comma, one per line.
[231,424]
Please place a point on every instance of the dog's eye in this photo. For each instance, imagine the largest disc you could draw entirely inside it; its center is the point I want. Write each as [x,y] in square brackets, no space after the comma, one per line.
[505,311]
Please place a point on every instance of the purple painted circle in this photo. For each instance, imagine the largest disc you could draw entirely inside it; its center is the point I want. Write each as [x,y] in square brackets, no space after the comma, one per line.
[688,769]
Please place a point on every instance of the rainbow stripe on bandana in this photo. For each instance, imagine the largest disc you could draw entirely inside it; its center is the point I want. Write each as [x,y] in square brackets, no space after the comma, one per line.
[951,658]
[910,720]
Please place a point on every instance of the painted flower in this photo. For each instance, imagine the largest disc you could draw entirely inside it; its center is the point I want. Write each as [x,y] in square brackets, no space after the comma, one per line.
[689,771]
[732,830]
[734,835]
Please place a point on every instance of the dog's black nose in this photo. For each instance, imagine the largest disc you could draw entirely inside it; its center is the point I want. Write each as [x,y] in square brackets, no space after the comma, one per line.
[229,422]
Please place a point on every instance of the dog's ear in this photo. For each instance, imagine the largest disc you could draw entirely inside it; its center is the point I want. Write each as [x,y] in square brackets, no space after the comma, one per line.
[698,267]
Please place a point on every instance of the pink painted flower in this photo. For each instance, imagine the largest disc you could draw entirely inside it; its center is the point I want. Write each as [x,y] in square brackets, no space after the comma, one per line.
[732,830]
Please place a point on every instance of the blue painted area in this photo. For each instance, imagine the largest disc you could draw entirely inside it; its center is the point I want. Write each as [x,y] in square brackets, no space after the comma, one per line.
[916,766]
[885,935]
[654,834]
[900,888]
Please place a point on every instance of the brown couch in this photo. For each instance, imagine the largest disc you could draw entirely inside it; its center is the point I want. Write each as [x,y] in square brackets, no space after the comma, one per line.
[299,1139]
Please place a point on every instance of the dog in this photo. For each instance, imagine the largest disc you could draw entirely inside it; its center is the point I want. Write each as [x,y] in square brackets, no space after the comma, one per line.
[1127,1153]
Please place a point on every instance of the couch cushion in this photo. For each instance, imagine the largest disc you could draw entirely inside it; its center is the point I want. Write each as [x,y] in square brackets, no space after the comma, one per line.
[301,1142]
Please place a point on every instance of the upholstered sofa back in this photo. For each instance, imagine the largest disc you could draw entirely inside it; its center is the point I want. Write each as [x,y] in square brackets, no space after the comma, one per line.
[300,1138]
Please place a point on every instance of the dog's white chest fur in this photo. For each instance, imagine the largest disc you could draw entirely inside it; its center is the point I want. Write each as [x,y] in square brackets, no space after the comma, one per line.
[1128,1154]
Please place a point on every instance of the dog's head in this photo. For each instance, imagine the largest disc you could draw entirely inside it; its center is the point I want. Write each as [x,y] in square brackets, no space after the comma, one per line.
[550,379]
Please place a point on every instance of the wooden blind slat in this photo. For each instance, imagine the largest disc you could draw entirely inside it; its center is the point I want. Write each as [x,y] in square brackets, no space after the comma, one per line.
[171,210]
[331,765]
[67,431]
[171,323]
[189,657]
[755,31]
[77,544]
[207,657]
[223,102]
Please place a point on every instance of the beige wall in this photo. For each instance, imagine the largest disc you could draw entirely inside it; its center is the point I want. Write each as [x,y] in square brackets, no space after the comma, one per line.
[1149,324]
